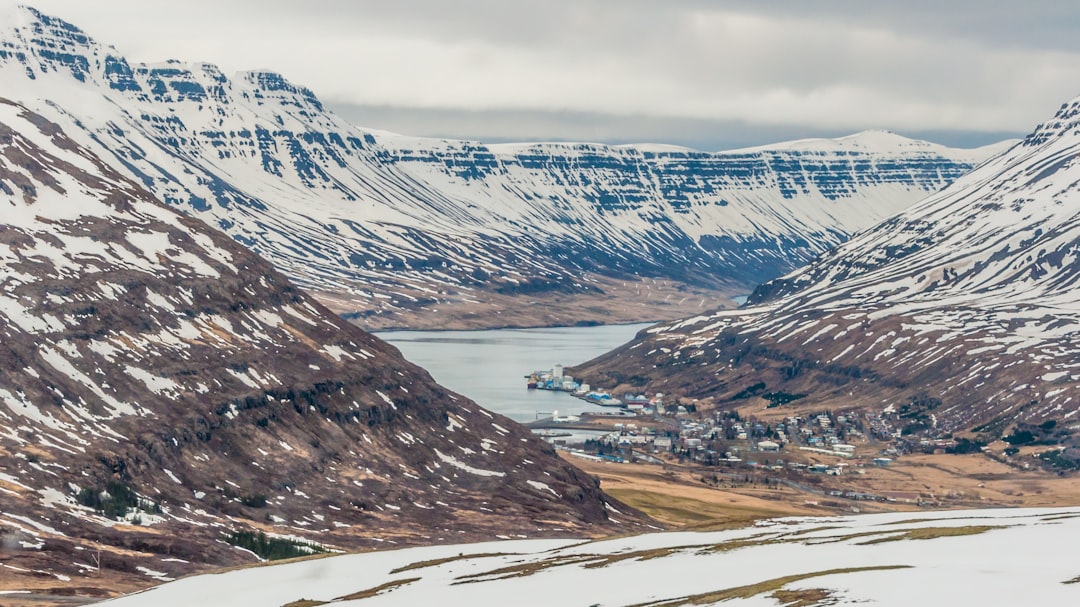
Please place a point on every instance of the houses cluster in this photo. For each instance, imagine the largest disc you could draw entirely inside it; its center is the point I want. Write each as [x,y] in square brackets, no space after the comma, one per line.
[747,450]
[639,438]
[724,437]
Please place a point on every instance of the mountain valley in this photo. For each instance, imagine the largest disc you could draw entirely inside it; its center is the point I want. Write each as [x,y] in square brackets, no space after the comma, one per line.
[404,232]
[869,328]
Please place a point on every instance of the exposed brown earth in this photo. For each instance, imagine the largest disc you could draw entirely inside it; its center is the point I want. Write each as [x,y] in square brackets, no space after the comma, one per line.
[690,497]
[609,301]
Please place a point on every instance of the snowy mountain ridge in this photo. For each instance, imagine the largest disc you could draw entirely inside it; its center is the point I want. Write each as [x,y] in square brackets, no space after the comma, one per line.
[878,141]
[383,223]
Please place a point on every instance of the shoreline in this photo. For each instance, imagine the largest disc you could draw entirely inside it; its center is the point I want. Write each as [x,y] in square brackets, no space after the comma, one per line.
[512,327]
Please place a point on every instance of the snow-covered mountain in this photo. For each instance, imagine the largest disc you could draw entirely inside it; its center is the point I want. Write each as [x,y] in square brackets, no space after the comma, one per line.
[965,309]
[161,387]
[379,224]
[975,557]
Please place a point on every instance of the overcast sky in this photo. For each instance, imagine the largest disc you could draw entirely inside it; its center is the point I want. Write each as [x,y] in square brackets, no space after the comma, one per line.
[708,74]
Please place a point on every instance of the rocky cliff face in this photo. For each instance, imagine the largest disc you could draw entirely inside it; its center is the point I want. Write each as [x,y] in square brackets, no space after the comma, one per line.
[395,229]
[162,387]
[963,309]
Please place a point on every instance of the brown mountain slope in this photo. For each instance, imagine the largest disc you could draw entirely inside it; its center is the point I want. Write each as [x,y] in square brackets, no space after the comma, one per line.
[155,372]
[960,316]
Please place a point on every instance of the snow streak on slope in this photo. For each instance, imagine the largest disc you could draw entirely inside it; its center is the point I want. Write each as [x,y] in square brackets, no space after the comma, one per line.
[401,222]
[942,558]
[969,298]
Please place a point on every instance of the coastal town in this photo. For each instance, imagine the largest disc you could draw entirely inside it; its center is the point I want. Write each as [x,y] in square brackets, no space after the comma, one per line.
[826,453]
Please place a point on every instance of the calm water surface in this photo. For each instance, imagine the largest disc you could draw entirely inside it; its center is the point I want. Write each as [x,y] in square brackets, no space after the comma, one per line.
[490,366]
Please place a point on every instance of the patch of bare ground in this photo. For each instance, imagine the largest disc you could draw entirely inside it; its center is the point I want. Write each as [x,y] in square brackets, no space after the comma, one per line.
[613,302]
[751,590]
[684,497]
[802,598]
[380,589]
[363,594]
[967,481]
[930,533]
[525,569]
[679,498]
[444,561]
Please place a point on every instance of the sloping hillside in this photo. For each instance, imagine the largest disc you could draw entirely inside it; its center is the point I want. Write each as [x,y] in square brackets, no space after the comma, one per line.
[162,388]
[961,314]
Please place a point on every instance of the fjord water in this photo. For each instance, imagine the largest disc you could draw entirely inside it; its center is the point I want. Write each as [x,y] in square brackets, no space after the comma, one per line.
[489,366]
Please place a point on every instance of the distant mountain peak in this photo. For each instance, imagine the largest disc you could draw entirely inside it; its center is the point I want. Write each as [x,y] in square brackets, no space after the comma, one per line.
[275,84]
[869,140]
[1066,121]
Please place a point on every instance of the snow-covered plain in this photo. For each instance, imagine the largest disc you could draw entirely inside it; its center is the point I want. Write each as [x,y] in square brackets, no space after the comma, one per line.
[977,557]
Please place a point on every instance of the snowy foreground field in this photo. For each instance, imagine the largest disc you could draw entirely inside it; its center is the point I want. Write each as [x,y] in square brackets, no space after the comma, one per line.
[975,557]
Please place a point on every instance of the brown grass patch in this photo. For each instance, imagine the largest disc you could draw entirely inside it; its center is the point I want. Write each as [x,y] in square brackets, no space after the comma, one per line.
[802,598]
[812,530]
[930,533]
[640,555]
[380,589]
[847,537]
[756,540]
[1060,517]
[693,513]
[443,561]
[752,590]
[525,569]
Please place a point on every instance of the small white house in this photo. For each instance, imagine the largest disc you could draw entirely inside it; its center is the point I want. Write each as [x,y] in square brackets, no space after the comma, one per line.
[768,445]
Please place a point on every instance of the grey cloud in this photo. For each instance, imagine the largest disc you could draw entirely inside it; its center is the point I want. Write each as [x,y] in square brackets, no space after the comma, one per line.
[500,126]
[826,66]
[1040,24]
